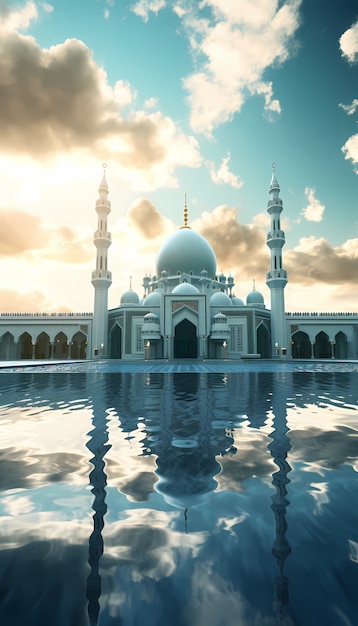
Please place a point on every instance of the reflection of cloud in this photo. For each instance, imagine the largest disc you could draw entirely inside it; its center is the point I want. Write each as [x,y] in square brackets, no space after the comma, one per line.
[29,468]
[17,505]
[250,460]
[327,448]
[139,487]
[145,543]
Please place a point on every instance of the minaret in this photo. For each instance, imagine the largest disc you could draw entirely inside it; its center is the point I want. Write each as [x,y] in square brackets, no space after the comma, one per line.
[276,278]
[101,277]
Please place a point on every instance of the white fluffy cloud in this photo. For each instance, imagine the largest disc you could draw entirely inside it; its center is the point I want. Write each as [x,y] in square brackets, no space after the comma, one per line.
[223,175]
[350,150]
[314,210]
[58,101]
[233,48]
[143,8]
[349,43]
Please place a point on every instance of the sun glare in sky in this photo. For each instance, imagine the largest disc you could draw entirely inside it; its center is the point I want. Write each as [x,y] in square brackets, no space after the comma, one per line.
[177,97]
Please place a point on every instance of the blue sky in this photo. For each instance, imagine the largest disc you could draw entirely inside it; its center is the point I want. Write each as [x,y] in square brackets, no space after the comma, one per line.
[177,97]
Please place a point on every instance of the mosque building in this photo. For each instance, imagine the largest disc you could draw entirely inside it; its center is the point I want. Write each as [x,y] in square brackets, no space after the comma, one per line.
[188,310]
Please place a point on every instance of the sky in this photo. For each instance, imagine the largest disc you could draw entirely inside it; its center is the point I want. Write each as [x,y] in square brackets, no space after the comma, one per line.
[177,97]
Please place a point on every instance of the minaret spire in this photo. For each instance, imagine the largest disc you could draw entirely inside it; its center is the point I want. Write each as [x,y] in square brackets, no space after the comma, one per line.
[276,278]
[101,277]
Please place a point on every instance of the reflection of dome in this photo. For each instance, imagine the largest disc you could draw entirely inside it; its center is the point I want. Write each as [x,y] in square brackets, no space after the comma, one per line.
[237,301]
[152,299]
[186,251]
[185,289]
[255,298]
[219,298]
[129,297]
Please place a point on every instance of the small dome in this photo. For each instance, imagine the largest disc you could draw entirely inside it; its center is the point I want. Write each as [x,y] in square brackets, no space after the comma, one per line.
[219,298]
[186,251]
[153,298]
[185,289]
[255,298]
[150,317]
[220,318]
[237,301]
[129,297]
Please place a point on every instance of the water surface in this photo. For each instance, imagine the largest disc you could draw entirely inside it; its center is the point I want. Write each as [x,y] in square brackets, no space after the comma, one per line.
[193,499]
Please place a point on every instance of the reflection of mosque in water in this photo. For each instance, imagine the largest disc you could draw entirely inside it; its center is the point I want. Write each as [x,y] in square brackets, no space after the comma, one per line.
[189,422]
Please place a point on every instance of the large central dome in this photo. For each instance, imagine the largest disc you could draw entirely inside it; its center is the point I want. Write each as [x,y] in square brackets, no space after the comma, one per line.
[186,251]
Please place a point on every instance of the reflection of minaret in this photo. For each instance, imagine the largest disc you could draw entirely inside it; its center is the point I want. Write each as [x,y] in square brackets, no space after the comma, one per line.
[98,479]
[279,448]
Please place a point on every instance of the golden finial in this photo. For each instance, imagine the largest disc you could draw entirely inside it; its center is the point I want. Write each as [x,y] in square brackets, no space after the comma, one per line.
[185,225]
[130,282]
[185,212]
[253,285]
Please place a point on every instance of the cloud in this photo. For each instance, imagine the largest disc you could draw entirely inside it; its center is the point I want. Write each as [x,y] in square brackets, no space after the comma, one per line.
[11,20]
[233,46]
[24,301]
[350,150]
[145,218]
[21,233]
[239,248]
[223,174]
[314,210]
[349,44]
[315,261]
[350,109]
[58,101]
[144,7]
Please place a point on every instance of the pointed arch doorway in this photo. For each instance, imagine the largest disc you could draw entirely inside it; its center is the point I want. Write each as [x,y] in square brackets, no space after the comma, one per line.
[185,341]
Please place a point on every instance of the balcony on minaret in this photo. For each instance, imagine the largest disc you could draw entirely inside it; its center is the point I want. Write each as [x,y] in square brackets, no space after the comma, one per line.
[102,234]
[102,275]
[273,274]
[277,201]
[275,234]
[103,205]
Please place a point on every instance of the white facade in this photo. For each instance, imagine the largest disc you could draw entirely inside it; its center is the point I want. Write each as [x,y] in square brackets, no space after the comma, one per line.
[188,311]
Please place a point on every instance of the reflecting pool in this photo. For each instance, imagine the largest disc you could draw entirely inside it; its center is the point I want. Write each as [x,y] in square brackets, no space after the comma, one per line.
[179,499]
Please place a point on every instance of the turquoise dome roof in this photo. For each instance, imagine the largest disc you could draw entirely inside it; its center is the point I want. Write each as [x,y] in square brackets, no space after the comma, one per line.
[255,297]
[237,301]
[219,298]
[129,297]
[185,289]
[152,299]
[186,251]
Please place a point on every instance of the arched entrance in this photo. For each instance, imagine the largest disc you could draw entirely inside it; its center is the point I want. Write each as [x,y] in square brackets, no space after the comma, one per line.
[79,346]
[341,346]
[185,341]
[42,348]
[116,342]
[301,346]
[25,346]
[263,341]
[323,347]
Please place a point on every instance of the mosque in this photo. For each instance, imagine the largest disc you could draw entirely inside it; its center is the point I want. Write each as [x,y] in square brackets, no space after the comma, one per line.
[188,310]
